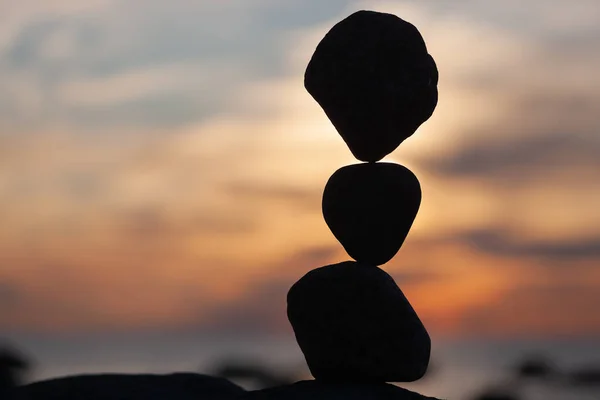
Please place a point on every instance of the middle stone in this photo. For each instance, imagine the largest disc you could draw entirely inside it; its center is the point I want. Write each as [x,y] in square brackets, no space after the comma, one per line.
[370,209]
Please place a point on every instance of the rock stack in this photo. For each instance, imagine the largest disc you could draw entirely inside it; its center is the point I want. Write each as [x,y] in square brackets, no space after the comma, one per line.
[375,80]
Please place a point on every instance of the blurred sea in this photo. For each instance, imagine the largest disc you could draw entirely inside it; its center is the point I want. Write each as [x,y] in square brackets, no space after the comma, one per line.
[459,369]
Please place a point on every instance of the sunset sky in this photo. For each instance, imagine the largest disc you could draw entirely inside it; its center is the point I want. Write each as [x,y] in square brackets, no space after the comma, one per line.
[161,165]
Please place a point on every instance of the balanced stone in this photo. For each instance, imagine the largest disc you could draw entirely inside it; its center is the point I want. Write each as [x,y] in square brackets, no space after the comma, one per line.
[317,390]
[354,324]
[370,208]
[375,80]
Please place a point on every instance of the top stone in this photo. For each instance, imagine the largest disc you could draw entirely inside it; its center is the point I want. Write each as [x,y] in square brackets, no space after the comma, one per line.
[374,79]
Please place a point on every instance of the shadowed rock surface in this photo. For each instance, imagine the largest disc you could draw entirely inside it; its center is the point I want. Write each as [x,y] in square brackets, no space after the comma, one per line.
[314,390]
[354,324]
[13,366]
[370,209]
[180,386]
[374,79]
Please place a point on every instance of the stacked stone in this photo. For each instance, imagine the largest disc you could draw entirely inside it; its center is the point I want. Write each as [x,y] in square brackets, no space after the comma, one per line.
[375,80]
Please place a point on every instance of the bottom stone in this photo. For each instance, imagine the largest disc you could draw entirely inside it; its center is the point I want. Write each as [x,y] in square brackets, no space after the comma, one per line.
[315,390]
[354,324]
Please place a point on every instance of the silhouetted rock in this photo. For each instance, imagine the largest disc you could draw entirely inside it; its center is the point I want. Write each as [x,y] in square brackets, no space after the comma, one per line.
[315,390]
[370,209]
[535,367]
[374,79]
[12,367]
[585,377]
[496,395]
[181,386]
[354,324]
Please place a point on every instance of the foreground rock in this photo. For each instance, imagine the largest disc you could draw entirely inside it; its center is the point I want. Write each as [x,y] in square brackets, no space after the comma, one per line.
[370,209]
[13,365]
[314,390]
[585,377]
[535,367]
[181,386]
[354,324]
[497,395]
[374,79]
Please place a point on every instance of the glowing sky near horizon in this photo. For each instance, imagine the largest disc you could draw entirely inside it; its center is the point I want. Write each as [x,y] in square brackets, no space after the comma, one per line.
[161,165]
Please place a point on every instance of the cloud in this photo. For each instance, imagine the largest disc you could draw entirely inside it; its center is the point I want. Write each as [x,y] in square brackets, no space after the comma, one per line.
[150,223]
[9,296]
[16,16]
[304,198]
[414,277]
[522,160]
[140,63]
[149,82]
[315,257]
[535,309]
[503,244]
[543,20]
